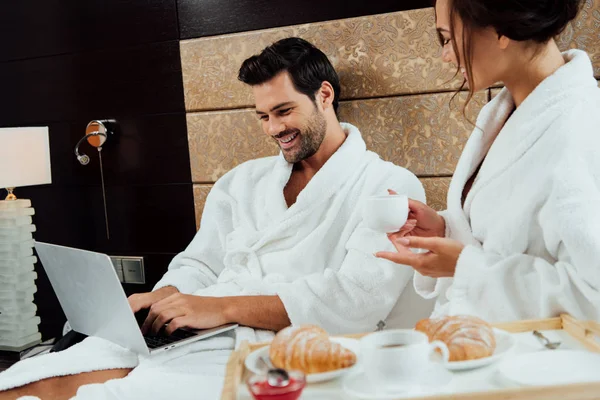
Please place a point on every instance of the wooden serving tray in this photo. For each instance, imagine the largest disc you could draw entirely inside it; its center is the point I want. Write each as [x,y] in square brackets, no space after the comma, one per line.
[584,332]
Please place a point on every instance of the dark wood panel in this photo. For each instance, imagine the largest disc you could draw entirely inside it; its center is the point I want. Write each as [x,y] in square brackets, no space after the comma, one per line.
[213,17]
[33,28]
[70,215]
[137,80]
[145,150]
[157,219]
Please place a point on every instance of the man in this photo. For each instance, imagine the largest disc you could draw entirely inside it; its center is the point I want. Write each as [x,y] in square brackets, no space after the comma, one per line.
[281,239]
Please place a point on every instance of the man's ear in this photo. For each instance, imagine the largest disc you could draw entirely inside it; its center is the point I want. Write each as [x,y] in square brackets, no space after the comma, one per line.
[326,95]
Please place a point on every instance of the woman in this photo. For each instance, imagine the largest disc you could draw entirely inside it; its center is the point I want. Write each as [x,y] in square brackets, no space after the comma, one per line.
[521,236]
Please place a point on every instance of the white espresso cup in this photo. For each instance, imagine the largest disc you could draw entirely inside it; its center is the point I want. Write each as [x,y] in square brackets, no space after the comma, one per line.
[386,213]
[396,359]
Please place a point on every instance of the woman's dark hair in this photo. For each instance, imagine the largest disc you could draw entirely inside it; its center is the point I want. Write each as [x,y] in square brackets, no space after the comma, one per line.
[535,21]
[308,67]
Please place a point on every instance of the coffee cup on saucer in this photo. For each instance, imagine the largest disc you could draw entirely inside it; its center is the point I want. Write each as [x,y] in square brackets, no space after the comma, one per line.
[396,360]
[386,213]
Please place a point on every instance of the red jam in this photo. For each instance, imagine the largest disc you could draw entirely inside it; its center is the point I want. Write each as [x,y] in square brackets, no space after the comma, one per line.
[261,390]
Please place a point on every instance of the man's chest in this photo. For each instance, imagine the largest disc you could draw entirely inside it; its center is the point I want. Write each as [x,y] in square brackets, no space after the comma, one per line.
[292,189]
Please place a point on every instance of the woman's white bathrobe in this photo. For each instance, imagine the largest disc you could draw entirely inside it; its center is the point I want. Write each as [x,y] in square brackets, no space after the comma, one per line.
[531,221]
[315,255]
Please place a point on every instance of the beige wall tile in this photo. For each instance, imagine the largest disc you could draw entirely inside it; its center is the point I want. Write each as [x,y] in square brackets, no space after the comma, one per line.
[423,133]
[584,33]
[419,132]
[436,190]
[200,194]
[221,140]
[380,55]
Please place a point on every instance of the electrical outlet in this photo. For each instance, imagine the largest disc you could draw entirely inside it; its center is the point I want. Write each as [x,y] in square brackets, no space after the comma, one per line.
[129,269]
[133,270]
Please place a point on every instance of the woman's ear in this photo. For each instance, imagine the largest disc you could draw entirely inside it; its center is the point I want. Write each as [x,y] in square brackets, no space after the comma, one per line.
[326,95]
[503,42]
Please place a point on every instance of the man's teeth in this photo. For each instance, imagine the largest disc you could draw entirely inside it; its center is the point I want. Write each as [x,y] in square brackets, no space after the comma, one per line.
[289,138]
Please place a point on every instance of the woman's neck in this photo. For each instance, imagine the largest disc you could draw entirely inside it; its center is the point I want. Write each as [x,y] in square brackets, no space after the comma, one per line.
[527,73]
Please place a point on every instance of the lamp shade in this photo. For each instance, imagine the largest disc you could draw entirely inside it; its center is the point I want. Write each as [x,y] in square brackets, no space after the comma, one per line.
[24,157]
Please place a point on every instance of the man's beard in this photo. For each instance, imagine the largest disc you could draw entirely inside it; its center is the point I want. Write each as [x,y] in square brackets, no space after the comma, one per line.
[311,137]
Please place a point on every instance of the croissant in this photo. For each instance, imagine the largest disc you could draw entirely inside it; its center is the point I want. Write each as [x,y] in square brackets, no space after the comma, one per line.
[467,337]
[308,349]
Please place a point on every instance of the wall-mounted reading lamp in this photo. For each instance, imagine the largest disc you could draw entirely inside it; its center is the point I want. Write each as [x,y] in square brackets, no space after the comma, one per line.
[96,134]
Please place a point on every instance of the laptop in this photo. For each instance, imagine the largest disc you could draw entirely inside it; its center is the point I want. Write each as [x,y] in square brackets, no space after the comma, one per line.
[92,298]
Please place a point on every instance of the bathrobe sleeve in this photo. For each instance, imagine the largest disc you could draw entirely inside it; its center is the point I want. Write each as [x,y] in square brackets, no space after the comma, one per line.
[200,264]
[356,296]
[522,286]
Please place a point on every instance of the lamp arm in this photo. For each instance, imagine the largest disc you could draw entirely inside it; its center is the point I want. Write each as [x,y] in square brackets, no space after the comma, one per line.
[83,158]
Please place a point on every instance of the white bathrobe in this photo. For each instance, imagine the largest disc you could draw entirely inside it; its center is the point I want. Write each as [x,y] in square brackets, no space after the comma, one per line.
[315,255]
[531,221]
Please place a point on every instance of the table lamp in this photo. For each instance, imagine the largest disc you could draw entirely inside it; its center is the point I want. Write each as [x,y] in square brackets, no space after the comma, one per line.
[24,161]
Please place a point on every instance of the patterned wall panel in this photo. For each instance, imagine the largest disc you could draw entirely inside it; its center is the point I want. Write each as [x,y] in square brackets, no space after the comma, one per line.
[200,194]
[423,133]
[436,190]
[219,141]
[584,33]
[380,55]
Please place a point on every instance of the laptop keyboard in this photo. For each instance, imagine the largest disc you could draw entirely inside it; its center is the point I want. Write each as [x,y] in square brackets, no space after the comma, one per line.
[156,341]
[160,340]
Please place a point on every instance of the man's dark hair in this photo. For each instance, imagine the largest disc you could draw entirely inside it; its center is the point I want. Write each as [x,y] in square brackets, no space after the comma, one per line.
[308,67]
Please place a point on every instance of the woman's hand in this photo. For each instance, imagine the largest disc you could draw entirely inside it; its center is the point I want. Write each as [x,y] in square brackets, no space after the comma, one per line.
[422,221]
[439,262]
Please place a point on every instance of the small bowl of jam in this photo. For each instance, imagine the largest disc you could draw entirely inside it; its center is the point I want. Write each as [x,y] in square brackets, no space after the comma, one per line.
[261,389]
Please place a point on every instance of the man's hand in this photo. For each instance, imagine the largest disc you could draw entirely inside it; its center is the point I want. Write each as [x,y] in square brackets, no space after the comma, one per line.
[185,311]
[139,301]
[439,262]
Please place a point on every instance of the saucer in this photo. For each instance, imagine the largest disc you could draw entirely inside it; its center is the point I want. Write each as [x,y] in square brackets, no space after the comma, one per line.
[552,367]
[253,365]
[433,381]
[504,343]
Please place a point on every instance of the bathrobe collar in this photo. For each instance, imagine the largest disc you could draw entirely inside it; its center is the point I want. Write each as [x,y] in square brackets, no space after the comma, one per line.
[502,142]
[333,174]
